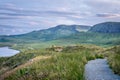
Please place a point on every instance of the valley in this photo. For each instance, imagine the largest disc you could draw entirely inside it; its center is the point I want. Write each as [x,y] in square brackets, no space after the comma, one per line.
[61,52]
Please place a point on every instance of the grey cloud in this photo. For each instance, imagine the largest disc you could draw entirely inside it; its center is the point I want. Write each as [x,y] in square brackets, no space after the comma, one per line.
[107,15]
[6,26]
[12,27]
[8,17]
[40,13]
[103,5]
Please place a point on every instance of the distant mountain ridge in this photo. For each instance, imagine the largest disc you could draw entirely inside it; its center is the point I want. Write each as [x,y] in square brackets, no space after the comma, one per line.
[106,27]
[56,32]
[102,33]
[50,33]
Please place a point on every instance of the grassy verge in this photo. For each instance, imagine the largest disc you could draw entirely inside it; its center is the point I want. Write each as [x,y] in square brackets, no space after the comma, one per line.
[114,59]
[8,63]
[66,65]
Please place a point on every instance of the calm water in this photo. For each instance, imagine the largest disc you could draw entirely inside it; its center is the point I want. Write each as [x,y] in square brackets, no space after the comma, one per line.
[6,52]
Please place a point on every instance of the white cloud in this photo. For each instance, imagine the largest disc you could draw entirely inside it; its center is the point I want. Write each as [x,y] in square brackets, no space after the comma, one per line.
[33,23]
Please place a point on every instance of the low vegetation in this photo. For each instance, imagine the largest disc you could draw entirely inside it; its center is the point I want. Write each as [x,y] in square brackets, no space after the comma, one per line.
[8,63]
[114,59]
[100,39]
[65,65]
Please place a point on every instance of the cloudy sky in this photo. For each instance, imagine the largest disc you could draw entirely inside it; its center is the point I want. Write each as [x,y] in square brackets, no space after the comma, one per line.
[22,16]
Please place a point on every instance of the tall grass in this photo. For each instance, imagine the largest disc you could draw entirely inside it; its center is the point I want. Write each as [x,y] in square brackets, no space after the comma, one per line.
[114,59]
[66,65]
[8,63]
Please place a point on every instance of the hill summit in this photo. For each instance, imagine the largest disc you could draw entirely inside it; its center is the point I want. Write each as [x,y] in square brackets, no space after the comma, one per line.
[106,27]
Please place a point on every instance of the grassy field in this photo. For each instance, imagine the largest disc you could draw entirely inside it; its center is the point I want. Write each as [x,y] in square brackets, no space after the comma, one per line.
[68,64]
[47,64]
[8,63]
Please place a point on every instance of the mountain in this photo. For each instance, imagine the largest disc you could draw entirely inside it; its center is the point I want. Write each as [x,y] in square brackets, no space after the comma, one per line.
[106,27]
[67,35]
[56,32]
[49,34]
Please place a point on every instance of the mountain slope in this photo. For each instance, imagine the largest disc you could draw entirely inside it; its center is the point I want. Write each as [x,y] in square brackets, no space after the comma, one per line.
[106,34]
[106,27]
[49,34]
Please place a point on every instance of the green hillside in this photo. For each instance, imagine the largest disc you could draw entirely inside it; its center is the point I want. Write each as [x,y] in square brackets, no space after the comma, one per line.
[42,64]
[49,64]
[68,35]
[106,27]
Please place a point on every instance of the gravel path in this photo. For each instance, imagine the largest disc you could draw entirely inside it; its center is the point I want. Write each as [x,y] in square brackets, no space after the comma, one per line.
[99,70]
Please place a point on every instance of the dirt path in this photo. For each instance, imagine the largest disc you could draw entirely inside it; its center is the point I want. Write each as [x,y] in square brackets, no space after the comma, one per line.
[99,70]
[24,65]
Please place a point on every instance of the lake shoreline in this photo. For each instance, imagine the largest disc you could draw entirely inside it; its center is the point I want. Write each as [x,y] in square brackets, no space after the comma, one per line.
[7,51]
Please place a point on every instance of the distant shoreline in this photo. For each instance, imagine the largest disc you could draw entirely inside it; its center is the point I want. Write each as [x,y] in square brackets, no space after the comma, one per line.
[6,51]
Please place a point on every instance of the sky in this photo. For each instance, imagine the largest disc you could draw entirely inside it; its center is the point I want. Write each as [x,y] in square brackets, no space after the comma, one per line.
[23,16]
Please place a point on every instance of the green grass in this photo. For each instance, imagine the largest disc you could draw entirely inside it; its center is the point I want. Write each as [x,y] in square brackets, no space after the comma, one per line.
[100,39]
[66,65]
[9,63]
[114,59]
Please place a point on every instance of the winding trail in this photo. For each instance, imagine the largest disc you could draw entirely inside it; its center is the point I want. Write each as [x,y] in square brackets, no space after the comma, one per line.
[99,70]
